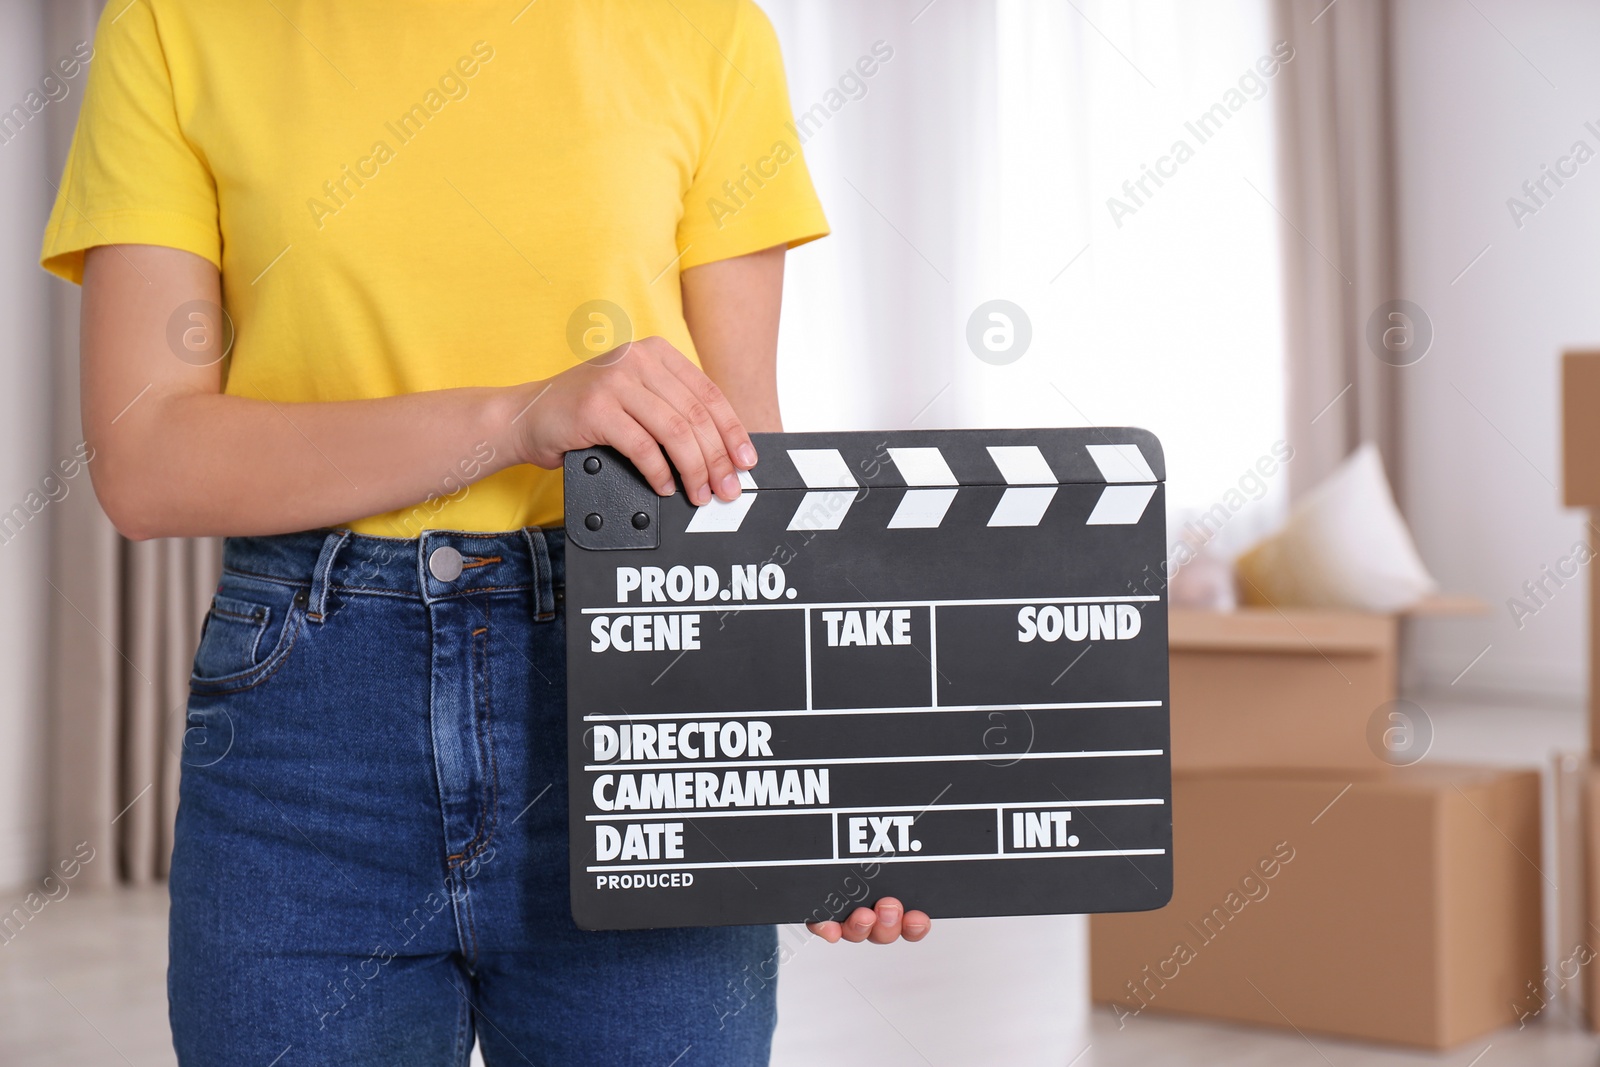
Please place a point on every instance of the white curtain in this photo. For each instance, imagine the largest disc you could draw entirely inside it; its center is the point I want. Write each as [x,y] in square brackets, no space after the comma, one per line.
[979,162]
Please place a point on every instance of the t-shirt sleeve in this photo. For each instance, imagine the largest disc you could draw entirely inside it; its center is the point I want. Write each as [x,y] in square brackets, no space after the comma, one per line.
[132,177]
[751,189]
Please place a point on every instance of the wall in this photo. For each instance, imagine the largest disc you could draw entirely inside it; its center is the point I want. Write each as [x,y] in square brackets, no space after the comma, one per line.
[1486,93]
[24,453]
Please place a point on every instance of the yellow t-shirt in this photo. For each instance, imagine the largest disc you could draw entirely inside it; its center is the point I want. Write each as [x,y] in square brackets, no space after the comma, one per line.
[405,195]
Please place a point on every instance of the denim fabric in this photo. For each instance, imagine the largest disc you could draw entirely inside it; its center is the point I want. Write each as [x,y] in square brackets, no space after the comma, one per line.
[371,857]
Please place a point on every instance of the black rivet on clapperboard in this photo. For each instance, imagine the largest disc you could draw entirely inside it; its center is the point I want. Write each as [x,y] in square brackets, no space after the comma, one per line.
[592,465]
[641,521]
[593,520]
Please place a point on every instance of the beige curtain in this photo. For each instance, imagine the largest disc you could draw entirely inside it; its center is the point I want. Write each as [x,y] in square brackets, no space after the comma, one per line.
[1337,194]
[124,619]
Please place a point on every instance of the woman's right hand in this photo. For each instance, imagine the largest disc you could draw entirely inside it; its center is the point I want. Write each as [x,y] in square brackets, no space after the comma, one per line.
[640,398]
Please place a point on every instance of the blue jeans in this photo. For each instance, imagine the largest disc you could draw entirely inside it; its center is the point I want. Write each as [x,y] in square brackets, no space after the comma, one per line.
[371,856]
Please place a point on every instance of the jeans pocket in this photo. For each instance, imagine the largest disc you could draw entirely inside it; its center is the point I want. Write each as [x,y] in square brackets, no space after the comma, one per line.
[244,637]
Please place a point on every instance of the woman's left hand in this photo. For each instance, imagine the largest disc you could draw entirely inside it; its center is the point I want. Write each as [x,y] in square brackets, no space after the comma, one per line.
[882,925]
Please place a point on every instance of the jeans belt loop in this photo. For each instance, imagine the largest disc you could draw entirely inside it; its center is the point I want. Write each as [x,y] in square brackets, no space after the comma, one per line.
[317,608]
[544,590]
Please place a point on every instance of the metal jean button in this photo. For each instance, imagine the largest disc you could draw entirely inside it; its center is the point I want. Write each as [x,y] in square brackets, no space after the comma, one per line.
[444,563]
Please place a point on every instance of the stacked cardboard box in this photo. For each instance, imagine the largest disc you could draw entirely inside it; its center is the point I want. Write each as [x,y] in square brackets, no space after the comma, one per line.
[1317,887]
[1259,687]
[1586,947]
[1398,906]
[1580,449]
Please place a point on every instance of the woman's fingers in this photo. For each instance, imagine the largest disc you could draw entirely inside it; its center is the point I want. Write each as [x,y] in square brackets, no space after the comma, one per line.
[649,389]
[859,925]
[626,435]
[721,473]
[882,925]
[734,438]
[887,928]
[672,430]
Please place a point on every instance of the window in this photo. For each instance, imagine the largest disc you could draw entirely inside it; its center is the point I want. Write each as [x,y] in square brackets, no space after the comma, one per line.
[1110,173]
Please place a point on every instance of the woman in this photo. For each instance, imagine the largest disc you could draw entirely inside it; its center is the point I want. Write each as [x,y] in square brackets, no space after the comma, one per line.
[423,219]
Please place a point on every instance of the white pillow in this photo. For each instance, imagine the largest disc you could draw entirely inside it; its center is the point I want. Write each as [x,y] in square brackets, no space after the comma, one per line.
[1344,546]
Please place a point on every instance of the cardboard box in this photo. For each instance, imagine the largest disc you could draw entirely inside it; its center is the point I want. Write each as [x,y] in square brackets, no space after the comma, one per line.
[1560,994]
[1258,687]
[1297,687]
[1580,479]
[1580,428]
[1400,906]
[1590,936]
[1594,642]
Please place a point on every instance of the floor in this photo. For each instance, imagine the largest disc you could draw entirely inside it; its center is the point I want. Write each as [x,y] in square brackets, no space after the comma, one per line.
[83,984]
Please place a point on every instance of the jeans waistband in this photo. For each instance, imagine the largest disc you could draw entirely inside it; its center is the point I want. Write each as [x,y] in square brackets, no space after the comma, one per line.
[438,565]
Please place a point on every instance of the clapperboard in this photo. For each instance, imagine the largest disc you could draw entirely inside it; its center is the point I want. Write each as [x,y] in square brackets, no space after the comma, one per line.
[926,664]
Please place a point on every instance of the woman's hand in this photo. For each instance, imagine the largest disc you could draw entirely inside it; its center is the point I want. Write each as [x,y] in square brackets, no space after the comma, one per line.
[881,925]
[635,398]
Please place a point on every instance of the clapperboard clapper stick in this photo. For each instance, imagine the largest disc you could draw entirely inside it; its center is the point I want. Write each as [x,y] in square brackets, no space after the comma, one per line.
[922,664]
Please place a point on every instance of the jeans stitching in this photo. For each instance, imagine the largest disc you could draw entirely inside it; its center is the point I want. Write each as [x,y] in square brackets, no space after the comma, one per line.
[211,687]
[489,815]
[457,594]
[464,1029]
[259,620]
[407,594]
[291,582]
[488,738]
[472,926]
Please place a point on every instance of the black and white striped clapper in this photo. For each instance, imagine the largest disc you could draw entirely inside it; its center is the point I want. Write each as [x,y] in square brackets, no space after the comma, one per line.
[922,664]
